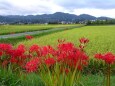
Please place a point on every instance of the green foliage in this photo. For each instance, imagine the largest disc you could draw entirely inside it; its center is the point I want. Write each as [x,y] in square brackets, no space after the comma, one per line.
[101,22]
[96,80]
[7,78]
[31,80]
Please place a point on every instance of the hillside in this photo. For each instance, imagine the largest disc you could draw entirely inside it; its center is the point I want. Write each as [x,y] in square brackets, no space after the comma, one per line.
[46,18]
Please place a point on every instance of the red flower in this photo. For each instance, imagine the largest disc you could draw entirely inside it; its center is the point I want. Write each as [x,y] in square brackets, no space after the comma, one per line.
[5,47]
[70,55]
[99,56]
[65,46]
[109,58]
[29,37]
[50,61]
[32,65]
[84,40]
[17,52]
[47,50]
[1,53]
[13,60]
[34,48]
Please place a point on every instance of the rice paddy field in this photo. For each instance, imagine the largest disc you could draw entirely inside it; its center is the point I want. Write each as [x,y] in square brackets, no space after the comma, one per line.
[101,39]
[10,29]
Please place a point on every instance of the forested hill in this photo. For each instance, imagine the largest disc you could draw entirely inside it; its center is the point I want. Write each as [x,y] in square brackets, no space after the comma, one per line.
[46,18]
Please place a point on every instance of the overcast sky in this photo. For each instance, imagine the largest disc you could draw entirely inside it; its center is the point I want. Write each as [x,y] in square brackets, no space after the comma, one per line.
[32,7]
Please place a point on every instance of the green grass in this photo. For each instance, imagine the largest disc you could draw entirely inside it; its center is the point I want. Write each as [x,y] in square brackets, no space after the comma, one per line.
[8,29]
[96,80]
[9,78]
[102,38]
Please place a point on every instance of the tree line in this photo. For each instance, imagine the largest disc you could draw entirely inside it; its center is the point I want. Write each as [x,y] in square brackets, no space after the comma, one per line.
[100,22]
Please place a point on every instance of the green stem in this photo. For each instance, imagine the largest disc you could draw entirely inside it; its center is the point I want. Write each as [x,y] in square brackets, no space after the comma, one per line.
[108,75]
[74,74]
[50,77]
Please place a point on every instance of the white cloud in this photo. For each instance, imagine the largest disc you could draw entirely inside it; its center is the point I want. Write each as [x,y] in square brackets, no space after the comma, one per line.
[30,7]
[99,4]
[33,7]
[96,12]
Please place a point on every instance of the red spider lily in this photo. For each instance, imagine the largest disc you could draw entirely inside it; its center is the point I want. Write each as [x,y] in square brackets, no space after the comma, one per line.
[32,65]
[65,46]
[29,37]
[98,56]
[5,47]
[34,48]
[1,53]
[50,61]
[84,40]
[17,56]
[47,50]
[68,54]
[17,52]
[13,60]
[108,57]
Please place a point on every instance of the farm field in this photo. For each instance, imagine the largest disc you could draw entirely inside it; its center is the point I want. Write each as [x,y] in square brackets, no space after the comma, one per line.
[102,38]
[10,29]
[32,62]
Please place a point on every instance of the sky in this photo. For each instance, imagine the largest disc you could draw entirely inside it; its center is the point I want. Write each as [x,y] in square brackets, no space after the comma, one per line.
[34,7]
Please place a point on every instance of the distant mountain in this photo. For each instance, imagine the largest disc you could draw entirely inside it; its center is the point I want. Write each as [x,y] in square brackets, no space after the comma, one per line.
[46,18]
[87,17]
[104,18]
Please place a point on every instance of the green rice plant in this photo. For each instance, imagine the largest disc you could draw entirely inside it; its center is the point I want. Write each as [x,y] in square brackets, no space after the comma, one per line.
[11,29]
[101,38]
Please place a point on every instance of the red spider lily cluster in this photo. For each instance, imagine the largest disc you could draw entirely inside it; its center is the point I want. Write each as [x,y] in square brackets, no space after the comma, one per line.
[108,57]
[66,55]
[29,37]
